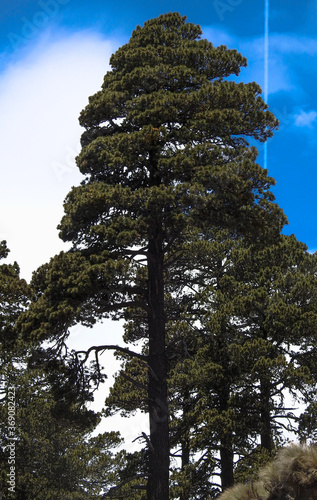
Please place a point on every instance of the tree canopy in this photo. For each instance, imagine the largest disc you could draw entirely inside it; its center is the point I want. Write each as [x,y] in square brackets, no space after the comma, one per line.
[47,450]
[169,168]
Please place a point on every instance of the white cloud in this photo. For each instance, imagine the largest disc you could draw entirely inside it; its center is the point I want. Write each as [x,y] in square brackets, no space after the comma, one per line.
[41,96]
[304,119]
[290,44]
[218,36]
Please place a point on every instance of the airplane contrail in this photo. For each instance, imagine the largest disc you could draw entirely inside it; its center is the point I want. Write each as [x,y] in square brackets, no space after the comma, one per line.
[266,65]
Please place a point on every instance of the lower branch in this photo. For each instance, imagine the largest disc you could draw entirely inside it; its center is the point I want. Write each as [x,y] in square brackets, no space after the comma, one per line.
[101,348]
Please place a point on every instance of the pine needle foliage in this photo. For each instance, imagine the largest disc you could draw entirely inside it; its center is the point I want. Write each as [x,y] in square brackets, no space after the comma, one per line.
[165,156]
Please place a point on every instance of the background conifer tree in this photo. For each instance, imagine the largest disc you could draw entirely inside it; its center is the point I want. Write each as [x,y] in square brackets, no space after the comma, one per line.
[55,456]
[247,323]
[251,364]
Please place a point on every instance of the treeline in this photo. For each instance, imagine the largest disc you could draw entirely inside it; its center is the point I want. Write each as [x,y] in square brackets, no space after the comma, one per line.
[241,360]
[176,232]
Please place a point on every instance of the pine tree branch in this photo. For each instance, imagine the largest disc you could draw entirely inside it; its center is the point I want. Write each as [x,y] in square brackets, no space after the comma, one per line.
[147,439]
[101,348]
[142,251]
[186,350]
[130,379]
[114,489]
[122,305]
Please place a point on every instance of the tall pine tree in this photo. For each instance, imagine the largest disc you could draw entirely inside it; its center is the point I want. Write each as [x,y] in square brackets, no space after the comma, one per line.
[165,156]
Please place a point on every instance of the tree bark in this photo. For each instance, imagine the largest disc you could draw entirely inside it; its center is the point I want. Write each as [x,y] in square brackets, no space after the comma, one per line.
[158,482]
[226,446]
[266,431]
[185,460]
[226,460]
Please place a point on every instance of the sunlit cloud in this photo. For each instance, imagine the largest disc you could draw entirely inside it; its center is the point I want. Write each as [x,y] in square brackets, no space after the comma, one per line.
[290,44]
[41,96]
[218,36]
[304,119]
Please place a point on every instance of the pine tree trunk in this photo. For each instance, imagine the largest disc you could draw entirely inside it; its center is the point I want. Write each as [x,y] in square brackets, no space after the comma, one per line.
[185,434]
[226,460]
[266,431]
[226,453]
[185,461]
[158,482]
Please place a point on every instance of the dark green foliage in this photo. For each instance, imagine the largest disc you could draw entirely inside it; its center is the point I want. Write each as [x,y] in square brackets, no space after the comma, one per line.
[166,161]
[14,298]
[239,343]
[47,437]
[249,343]
[56,456]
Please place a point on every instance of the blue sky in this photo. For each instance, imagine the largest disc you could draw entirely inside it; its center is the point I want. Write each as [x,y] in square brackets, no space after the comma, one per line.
[53,55]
